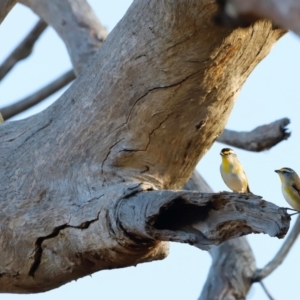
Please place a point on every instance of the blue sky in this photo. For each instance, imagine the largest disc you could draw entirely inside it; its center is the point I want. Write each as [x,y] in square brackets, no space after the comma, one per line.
[270,93]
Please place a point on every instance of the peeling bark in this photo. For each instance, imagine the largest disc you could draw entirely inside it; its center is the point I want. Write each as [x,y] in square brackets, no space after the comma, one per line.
[155,98]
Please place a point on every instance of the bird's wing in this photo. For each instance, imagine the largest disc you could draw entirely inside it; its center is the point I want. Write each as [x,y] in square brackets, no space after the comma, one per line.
[247,189]
[296,188]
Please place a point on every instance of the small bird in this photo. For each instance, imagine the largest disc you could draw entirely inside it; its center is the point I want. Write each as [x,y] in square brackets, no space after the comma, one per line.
[290,186]
[232,172]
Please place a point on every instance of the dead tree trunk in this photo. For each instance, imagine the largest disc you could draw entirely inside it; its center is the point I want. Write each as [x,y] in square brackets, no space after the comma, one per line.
[84,183]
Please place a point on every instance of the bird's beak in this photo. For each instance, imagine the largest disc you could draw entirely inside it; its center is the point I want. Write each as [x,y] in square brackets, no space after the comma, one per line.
[221,154]
[277,171]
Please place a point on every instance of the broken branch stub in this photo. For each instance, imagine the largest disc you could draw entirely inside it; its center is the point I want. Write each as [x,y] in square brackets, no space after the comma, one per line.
[120,226]
[261,138]
[200,219]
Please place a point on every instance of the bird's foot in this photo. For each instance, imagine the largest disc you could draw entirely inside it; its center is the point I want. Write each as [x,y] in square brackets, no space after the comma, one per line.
[288,208]
[296,213]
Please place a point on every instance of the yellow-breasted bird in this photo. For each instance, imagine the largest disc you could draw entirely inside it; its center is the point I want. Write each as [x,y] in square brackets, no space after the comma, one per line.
[290,186]
[232,172]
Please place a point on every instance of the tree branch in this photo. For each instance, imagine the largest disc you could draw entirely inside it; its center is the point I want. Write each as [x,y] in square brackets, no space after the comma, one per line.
[70,193]
[37,97]
[239,12]
[281,254]
[199,219]
[5,7]
[23,50]
[261,138]
[77,25]
[233,264]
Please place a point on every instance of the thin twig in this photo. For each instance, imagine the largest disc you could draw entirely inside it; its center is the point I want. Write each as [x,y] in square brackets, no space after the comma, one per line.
[23,50]
[22,105]
[259,139]
[281,254]
[266,291]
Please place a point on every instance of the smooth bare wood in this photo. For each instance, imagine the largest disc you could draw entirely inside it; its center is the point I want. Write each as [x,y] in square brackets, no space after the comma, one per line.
[23,50]
[259,139]
[5,7]
[38,96]
[76,24]
[155,98]
[282,13]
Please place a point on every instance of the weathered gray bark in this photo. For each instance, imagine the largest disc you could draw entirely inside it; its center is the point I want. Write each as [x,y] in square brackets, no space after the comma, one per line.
[5,7]
[283,13]
[76,24]
[81,180]
[261,138]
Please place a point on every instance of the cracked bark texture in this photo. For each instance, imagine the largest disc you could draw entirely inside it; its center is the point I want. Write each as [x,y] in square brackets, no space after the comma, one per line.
[138,119]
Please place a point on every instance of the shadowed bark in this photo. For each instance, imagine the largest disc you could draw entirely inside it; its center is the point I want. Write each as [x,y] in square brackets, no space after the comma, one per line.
[83,181]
